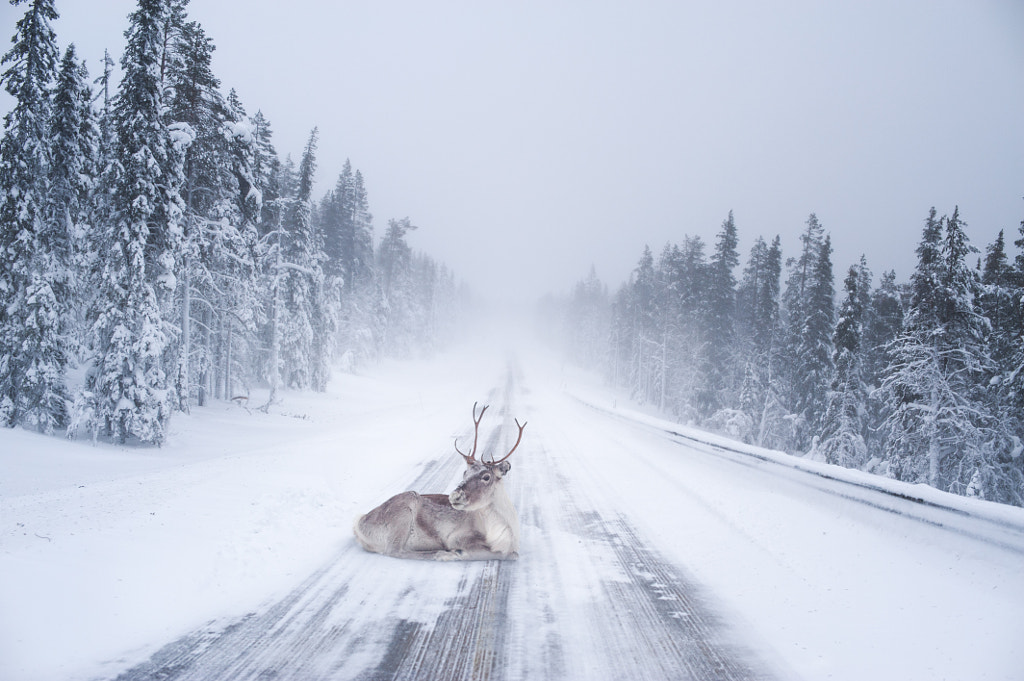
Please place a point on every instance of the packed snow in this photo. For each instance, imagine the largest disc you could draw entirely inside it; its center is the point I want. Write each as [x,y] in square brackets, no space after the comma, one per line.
[109,552]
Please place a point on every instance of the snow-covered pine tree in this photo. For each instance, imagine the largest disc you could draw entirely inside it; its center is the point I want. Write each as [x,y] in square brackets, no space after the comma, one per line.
[265,164]
[304,350]
[1001,303]
[424,321]
[1013,380]
[354,262]
[35,251]
[238,283]
[128,393]
[278,186]
[682,307]
[335,224]
[718,390]
[217,293]
[105,115]
[74,139]
[643,333]
[98,239]
[348,230]
[620,337]
[817,349]
[939,430]
[197,103]
[359,270]
[843,425]
[664,389]
[926,281]
[394,264]
[809,310]
[1012,383]
[884,324]
[997,303]
[758,321]
[588,322]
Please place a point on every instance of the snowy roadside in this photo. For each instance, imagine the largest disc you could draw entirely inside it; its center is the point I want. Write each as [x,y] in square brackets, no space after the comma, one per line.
[1011,517]
[106,549]
[836,573]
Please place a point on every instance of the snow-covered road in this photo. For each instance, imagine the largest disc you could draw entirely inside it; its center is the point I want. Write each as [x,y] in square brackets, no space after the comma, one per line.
[589,599]
[648,552]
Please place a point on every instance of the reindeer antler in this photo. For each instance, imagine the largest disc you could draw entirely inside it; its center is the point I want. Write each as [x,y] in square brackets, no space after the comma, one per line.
[471,458]
[492,462]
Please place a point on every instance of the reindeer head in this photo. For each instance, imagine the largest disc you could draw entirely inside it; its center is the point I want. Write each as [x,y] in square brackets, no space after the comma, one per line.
[481,477]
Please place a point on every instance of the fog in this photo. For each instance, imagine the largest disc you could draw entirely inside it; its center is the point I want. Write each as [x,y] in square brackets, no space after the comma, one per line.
[529,141]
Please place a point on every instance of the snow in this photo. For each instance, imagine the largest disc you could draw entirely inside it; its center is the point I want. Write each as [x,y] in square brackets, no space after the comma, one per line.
[109,552]
[182,135]
[106,550]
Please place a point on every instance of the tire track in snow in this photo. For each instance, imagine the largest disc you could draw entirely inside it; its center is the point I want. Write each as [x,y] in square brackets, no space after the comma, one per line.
[611,606]
[588,599]
[314,634]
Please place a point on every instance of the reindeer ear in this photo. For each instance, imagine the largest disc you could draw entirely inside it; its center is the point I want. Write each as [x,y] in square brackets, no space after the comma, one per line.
[503,468]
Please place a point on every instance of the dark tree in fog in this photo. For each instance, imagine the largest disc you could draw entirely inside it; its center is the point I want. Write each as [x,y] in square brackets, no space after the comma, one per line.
[843,426]
[809,309]
[721,376]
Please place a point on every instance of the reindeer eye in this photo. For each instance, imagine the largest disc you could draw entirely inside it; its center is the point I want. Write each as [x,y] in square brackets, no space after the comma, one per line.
[487,477]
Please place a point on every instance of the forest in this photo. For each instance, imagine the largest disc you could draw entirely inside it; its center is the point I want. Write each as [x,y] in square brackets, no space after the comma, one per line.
[154,244]
[156,252]
[921,381]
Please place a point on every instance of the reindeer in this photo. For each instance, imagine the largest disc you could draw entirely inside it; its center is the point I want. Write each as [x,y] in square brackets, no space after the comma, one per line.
[475,522]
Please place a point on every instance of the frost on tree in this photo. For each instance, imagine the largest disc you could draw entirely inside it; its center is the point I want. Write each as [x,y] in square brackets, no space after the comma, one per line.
[940,429]
[35,241]
[843,425]
[128,392]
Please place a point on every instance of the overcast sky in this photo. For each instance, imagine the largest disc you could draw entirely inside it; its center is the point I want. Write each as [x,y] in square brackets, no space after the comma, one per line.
[530,140]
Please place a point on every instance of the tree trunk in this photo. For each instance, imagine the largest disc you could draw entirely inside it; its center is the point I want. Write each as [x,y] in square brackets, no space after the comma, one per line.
[184,378]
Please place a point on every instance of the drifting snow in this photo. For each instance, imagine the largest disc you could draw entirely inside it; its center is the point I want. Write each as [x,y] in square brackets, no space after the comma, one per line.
[108,552]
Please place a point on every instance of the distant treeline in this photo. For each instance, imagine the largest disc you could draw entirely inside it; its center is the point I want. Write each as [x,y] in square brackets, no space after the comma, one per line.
[152,235]
[921,381]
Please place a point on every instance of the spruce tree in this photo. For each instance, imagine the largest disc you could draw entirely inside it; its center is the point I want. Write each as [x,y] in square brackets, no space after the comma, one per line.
[128,391]
[809,309]
[74,140]
[939,429]
[758,312]
[35,249]
[588,322]
[720,311]
[238,272]
[997,302]
[642,304]
[218,269]
[691,366]
[816,349]
[304,354]
[883,325]
[670,325]
[394,262]
[1002,303]
[278,186]
[843,427]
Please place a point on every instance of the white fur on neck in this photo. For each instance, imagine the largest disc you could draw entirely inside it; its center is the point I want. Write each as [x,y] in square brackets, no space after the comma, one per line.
[499,523]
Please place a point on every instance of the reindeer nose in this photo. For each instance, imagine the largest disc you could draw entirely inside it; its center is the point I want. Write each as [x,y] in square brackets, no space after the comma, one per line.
[457,497]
